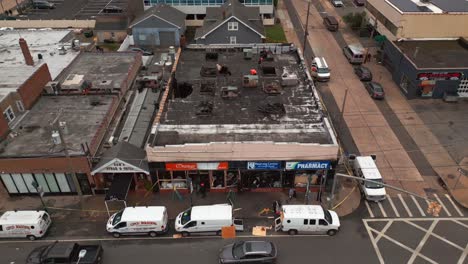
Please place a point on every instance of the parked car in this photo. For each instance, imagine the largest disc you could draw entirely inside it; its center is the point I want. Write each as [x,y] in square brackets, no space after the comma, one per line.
[359,2]
[337,3]
[43,5]
[66,253]
[144,52]
[248,252]
[363,73]
[112,9]
[30,224]
[307,219]
[375,90]
[138,220]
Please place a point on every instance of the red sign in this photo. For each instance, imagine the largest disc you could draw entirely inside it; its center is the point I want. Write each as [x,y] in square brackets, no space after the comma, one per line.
[197,166]
[453,76]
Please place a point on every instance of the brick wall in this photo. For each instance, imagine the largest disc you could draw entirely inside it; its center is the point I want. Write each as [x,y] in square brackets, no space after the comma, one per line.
[32,88]
[4,128]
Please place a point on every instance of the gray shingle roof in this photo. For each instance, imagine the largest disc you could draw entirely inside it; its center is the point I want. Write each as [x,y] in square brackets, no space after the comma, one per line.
[247,15]
[164,12]
[126,152]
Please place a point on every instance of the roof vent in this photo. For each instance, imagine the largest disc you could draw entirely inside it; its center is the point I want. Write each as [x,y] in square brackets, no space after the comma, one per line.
[56,137]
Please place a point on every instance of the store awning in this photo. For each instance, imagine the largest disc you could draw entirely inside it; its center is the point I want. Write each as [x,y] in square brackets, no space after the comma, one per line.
[119,188]
[122,158]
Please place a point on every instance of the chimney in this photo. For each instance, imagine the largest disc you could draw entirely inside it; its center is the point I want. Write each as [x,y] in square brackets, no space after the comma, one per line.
[26,53]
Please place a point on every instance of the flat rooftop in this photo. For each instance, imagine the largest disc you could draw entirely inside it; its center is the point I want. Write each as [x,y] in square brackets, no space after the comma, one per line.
[104,70]
[201,115]
[435,54]
[45,42]
[434,6]
[83,116]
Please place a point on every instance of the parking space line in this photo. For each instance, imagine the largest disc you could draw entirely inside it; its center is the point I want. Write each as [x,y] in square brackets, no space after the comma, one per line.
[422,242]
[374,244]
[454,205]
[405,205]
[443,205]
[463,256]
[369,209]
[386,227]
[393,205]
[460,223]
[435,235]
[382,209]
[417,205]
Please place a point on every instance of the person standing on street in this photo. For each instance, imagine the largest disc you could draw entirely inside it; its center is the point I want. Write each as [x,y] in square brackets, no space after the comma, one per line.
[203,189]
[291,194]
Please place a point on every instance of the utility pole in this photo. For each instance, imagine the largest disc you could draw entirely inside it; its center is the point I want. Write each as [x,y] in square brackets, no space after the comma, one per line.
[56,127]
[306,30]
[342,112]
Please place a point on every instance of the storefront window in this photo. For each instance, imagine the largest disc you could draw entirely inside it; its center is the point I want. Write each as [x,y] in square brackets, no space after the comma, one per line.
[165,179]
[179,180]
[261,179]
[232,178]
[299,179]
[217,180]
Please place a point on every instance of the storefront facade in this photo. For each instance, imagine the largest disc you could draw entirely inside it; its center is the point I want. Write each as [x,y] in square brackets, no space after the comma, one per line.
[259,176]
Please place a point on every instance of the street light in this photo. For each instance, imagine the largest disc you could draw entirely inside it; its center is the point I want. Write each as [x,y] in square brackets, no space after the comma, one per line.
[40,191]
[306,30]
[81,255]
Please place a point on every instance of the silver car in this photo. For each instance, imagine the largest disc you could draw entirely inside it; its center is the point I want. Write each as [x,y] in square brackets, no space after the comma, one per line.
[248,252]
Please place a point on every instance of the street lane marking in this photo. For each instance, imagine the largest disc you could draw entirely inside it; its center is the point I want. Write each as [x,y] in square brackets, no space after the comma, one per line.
[460,223]
[405,205]
[435,235]
[419,219]
[374,244]
[393,205]
[417,205]
[381,209]
[463,256]
[379,236]
[422,242]
[454,205]
[443,205]
[369,209]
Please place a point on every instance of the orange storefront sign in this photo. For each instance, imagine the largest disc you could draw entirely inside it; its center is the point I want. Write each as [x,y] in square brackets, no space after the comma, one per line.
[197,166]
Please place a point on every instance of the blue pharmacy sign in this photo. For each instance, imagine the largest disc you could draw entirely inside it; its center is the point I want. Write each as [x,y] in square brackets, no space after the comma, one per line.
[308,165]
[274,165]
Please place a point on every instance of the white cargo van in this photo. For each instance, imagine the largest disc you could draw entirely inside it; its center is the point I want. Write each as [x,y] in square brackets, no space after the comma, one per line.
[139,220]
[355,53]
[307,219]
[30,224]
[206,218]
[320,71]
[365,167]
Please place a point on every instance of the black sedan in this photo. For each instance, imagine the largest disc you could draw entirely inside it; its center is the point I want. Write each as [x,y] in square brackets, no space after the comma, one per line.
[375,90]
[360,2]
[363,73]
[248,252]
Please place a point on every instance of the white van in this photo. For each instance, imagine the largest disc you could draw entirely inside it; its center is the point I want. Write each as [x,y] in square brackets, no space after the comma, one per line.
[355,53]
[307,219]
[206,218]
[30,224]
[365,167]
[138,220]
[320,71]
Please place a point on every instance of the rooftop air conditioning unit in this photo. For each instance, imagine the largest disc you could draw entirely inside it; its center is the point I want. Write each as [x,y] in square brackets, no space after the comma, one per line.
[52,88]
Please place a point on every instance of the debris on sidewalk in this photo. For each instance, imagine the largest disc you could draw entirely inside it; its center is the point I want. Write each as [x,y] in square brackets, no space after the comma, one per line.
[260,230]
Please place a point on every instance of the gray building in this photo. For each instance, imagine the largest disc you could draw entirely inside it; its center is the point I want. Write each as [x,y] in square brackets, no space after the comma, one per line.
[428,68]
[161,25]
[232,23]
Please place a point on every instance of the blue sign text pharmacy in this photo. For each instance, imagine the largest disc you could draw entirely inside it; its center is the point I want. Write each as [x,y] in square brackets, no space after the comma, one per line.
[308,165]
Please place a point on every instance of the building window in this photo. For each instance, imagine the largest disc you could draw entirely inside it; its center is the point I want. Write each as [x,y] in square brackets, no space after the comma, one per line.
[142,37]
[233,26]
[9,114]
[232,40]
[113,34]
[20,106]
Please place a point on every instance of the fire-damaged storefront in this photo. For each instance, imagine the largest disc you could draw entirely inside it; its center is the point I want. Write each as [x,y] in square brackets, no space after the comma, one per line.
[428,68]
[257,176]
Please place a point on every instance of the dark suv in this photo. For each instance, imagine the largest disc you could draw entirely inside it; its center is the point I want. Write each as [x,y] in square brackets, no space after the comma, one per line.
[43,5]
[375,90]
[363,73]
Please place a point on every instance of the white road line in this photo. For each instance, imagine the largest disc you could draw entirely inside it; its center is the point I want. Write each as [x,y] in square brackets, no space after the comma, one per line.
[403,246]
[443,205]
[463,256]
[422,242]
[369,209]
[374,244]
[417,205]
[435,235]
[379,236]
[460,223]
[419,219]
[454,205]
[405,205]
[381,209]
[393,205]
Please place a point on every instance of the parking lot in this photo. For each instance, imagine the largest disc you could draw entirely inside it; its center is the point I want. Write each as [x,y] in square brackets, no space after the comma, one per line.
[73,9]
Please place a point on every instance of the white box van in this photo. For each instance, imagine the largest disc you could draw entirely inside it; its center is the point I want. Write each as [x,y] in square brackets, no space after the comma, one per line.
[307,219]
[206,218]
[355,53]
[30,224]
[138,220]
[365,167]
[320,70]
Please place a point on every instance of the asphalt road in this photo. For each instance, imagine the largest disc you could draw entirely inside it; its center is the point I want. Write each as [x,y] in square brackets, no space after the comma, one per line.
[351,243]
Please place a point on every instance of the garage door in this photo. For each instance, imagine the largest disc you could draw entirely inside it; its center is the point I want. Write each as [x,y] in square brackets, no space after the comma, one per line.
[167,39]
